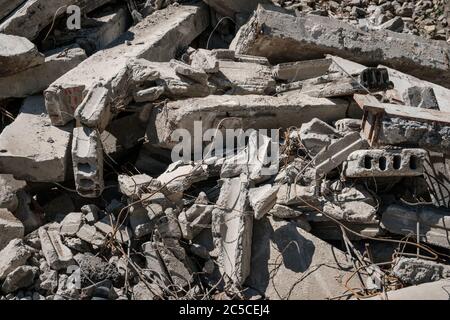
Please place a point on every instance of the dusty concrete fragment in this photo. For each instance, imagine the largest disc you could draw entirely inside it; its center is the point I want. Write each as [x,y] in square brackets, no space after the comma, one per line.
[426,291]
[183,69]
[301,70]
[433,223]
[14,255]
[385,163]
[71,224]
[193,220]
[58,256]
[21,277]
[252,111]
[262,199]
[336,153]
[289,263]
[17,54]
[284,37]
[180,177]
[35,15]
[153,263]
[134,186]
[242,78]
[140,222]
[285,212]
[90,234]
[232,229]
[31,149]
[416,271]
[294,194]
[254,160]
[205,60]
[421,98]
[316,134]
[87,157]
[180,274]
[353,212]
[9,188]
[95,109]
[106,227]
[156,38]
[10,228]
[36,79]
[146,292]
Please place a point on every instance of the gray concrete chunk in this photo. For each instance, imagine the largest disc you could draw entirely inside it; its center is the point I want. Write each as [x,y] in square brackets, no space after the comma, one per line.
[284,37]
[33,150]
[17,54]
[10,228]
[36,79]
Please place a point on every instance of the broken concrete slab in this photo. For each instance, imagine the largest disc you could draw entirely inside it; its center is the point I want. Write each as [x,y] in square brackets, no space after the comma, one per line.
[33,150]
[17,54]
[253,160]
[417,271]
[432,222]
[95,109]
[36,79]
[252,111]
[21,277]
[10,228]
[134,186]
[205,60]
[301,70]
[242,78]
[58,256]
[87,158]
[71,224]
[232,228]
[14,255]
[385,163]
[90,234]
[284,37]
[183,69]
[289,263]
[32,17]
[262,199]
[316,135]
[156,38]
[193,220]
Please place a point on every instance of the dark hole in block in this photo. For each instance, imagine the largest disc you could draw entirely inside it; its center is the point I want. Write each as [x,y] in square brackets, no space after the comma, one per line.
[397,162]
[413,162]
[367,162]
[383,163]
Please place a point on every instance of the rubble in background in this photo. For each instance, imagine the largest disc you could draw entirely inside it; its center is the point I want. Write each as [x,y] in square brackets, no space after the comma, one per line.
[335,183]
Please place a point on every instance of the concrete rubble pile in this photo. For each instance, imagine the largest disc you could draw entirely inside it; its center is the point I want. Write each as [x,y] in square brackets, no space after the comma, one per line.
[224,149]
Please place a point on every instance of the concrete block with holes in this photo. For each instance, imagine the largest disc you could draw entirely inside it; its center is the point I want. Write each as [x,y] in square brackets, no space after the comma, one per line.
[87,158]
[385,163]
